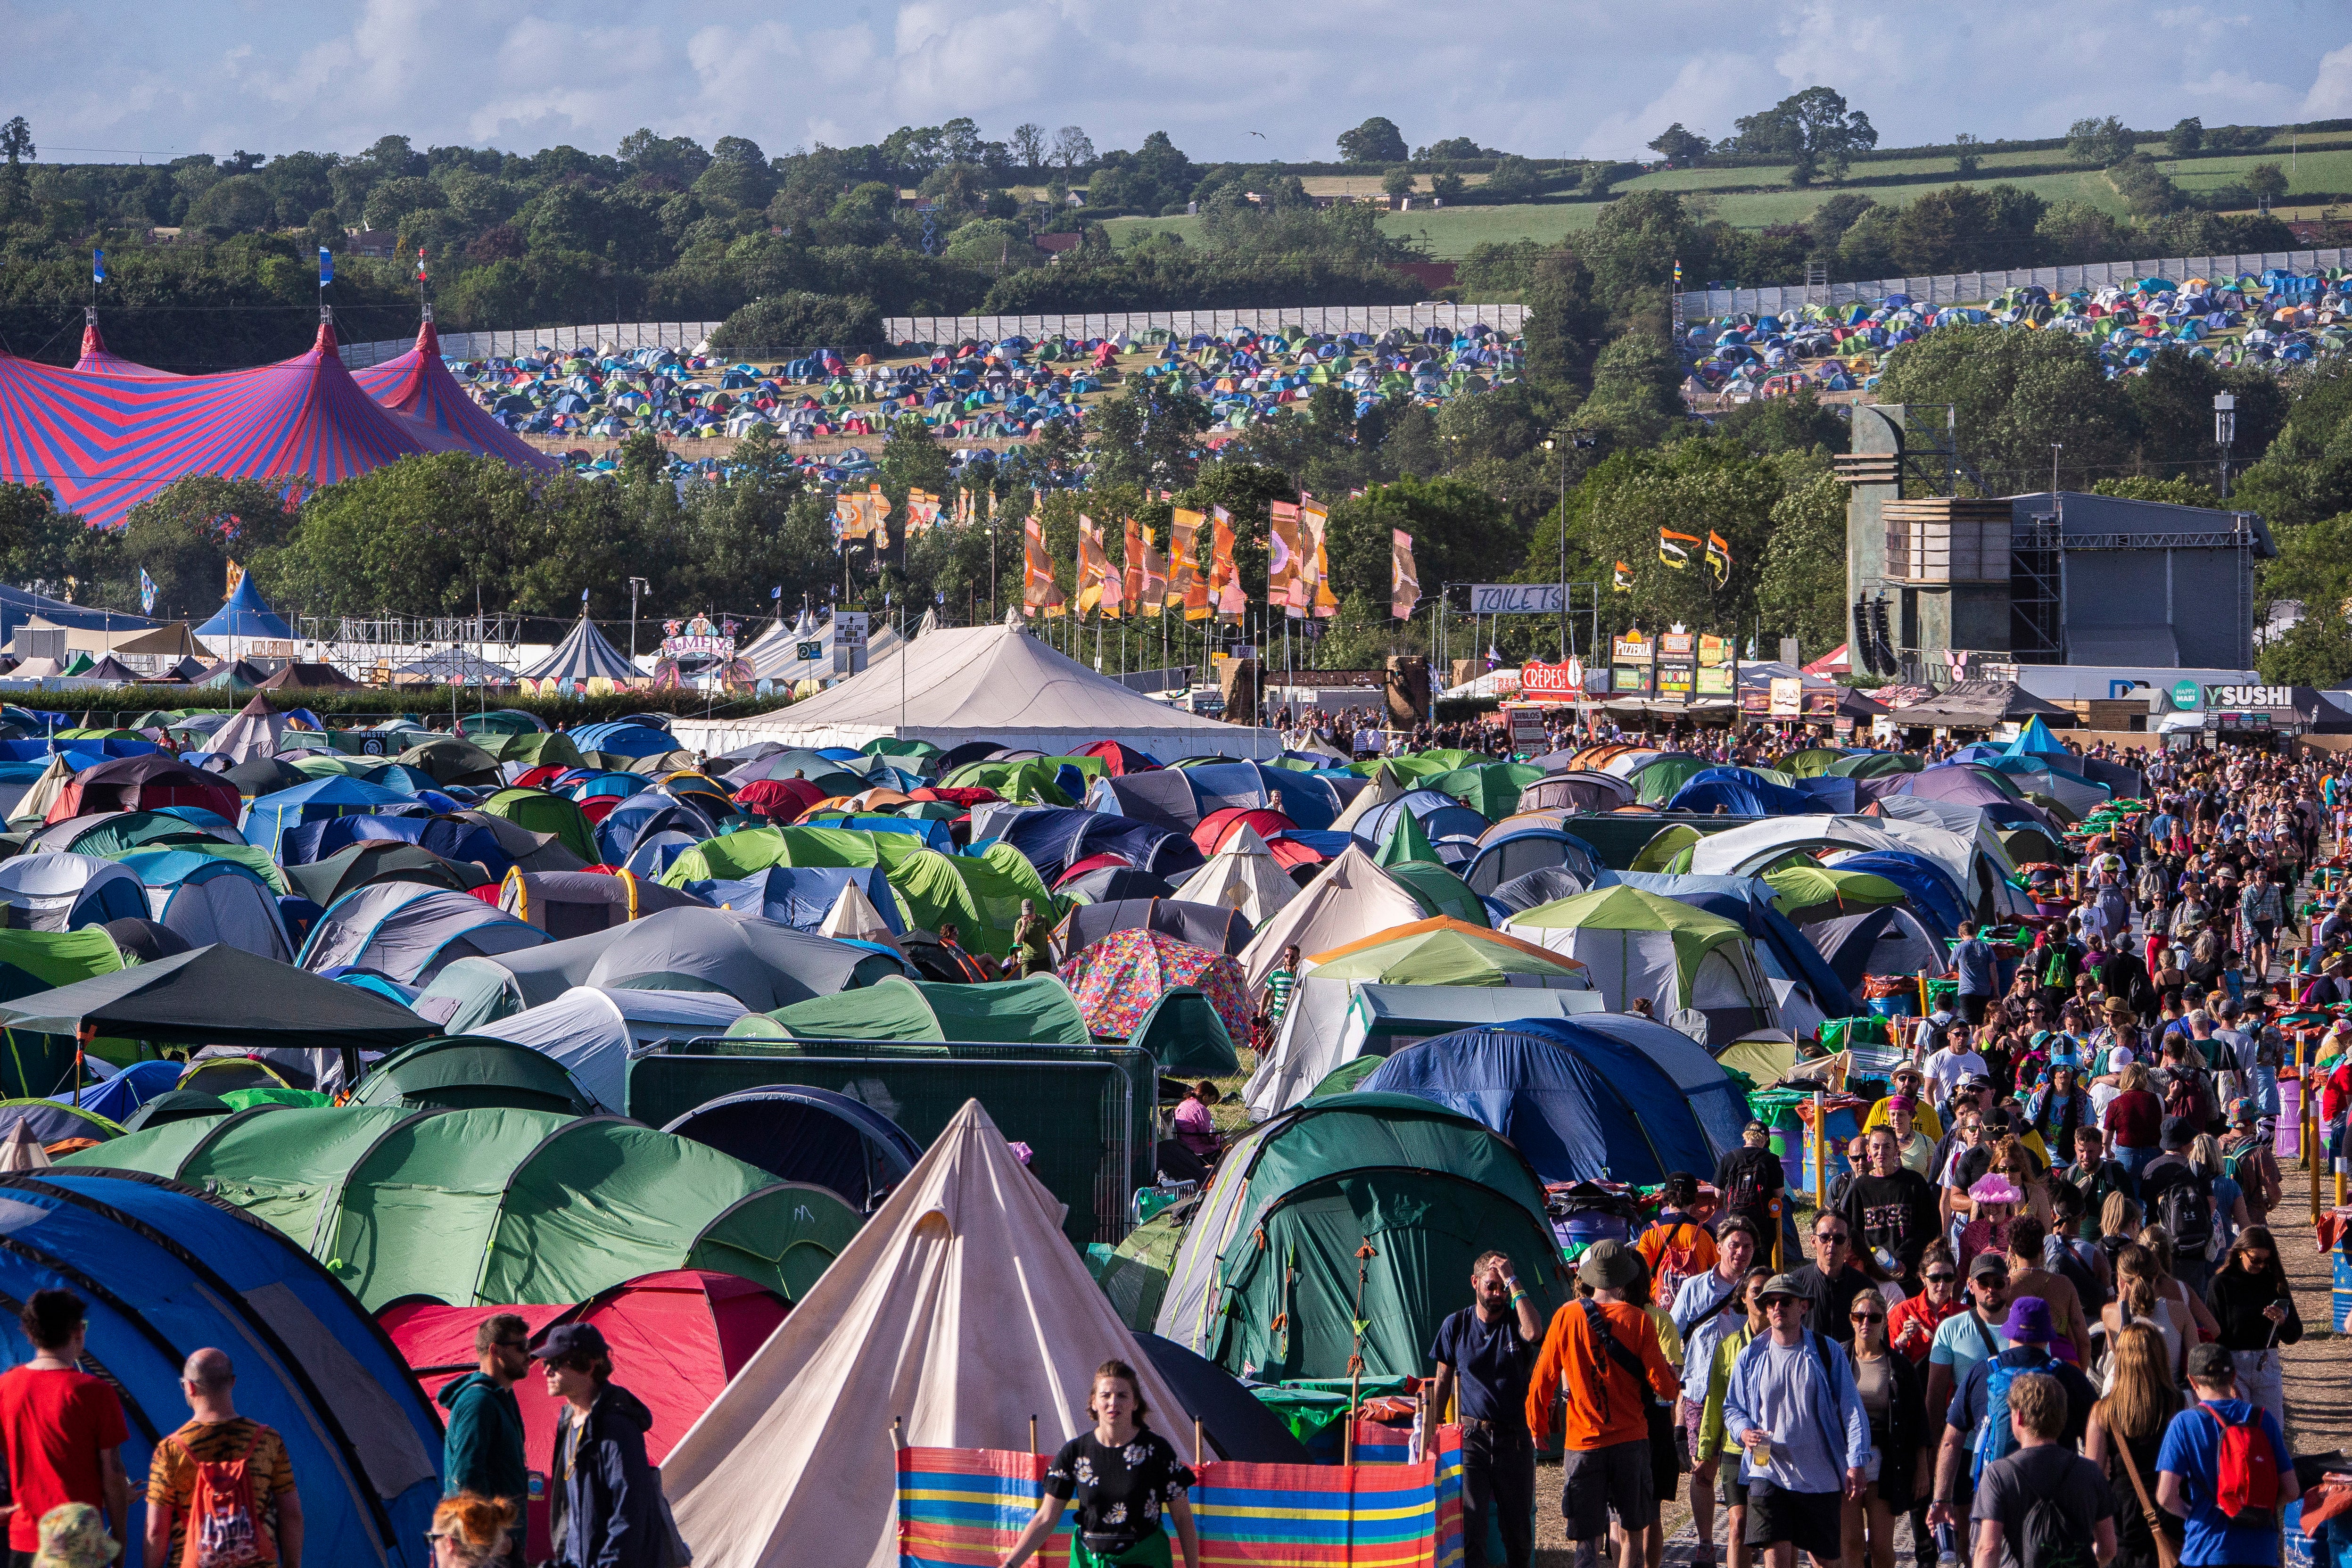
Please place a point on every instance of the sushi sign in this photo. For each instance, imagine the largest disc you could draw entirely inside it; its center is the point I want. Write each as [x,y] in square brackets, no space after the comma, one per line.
[2248,697]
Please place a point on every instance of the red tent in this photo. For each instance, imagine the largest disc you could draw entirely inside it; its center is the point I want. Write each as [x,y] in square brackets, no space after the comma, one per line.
[147,783]
[1839,660]
[676,1338]
[96,361]
[1210,834]
[1121,758]
[419,389]
[778,800]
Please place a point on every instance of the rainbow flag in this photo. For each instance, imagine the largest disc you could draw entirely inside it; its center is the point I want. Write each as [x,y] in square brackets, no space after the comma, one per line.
[963,1507]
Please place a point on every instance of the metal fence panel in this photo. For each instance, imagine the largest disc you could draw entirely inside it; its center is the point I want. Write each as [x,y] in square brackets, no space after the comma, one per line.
[1953,288]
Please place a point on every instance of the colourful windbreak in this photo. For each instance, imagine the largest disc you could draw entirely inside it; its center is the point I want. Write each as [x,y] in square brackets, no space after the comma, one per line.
[104,443]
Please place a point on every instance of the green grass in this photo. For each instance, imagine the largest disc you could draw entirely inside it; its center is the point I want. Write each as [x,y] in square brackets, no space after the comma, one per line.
[2329,169]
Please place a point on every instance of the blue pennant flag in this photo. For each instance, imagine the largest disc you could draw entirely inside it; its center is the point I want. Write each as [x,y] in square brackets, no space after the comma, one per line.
[146,593]
[584,598]
[326,266]
[776,592]
[98,267]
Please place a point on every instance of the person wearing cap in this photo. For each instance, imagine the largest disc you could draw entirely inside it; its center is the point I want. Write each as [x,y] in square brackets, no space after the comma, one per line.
[1486,1351]
[1794,1408]
[2252,1159]
[2176,1195]
[2028,1332]
[605,1506]
[2189,1466]
[1751,1179]
[1602,1359]
[1975,1335]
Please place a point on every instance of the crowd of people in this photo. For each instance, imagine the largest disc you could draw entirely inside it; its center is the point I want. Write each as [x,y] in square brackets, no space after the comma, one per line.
[2043,1313]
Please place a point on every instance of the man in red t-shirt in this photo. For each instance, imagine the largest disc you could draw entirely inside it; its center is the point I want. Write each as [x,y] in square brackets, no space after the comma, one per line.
[63,1428]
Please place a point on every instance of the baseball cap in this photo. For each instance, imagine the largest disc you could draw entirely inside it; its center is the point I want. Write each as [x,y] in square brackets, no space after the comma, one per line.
[1756,1124]
[1988,1263]
[2029,1322]
[571,1339]
[2210,1363]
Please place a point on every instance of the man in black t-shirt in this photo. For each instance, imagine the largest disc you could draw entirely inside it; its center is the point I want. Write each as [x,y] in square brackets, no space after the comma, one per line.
[1892,1210]
[1485,1355]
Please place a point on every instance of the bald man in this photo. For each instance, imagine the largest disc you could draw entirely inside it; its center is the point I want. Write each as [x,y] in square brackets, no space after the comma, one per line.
[216,1434]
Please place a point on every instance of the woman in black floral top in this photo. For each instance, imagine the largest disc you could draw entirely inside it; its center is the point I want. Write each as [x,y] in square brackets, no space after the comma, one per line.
[1125,1476]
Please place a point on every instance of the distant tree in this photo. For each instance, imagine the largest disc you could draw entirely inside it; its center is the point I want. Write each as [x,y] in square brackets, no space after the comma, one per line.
[1677,145]
[1376,141]
[1967,154]
[1800,590]
[1600,176]
[1453,148]
[2268,182]
[1398,181]
[797,318]
[1814,128]
[387,204]
[2096,141]
[1515,179]
[1072,147]
[16,145]
[2234,138]
[1563,319]
[2145,187]
[1447,186]
[2185,138]
[1028,141]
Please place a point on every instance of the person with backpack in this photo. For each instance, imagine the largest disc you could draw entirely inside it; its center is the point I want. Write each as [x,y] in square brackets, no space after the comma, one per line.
[2256,1310]
[2225,1470]
[1485,1352]
[1676,1247]
[1977,1430]
[2126,1434]
[2249,1159]
[1602,1359]
[604,1501]
[2180,1197]
[2042,1505]
[230,1472]
[1798,1416]
[1751,1179]
[2186,1089]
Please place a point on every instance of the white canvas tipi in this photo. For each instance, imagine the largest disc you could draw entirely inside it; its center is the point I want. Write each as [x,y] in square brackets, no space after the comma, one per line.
[961,1308]
[1243,875]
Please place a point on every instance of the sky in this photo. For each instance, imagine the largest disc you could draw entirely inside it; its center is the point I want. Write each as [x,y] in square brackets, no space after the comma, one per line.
[106,80]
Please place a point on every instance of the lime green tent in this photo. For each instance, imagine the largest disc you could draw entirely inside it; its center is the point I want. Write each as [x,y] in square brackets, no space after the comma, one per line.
[1440,951]
[1035,1010]
[1667,845]
[1352,1210]
[1657,782]
[498,723]
[734,856]
[1410,768]
[116,833]
[325,765]
[1811,887]
[982,893]
[474,1070]
[1031,778]
[1638,945]
[1876,764]
[1815,762]
[1438,890]
[1343,1078]
[484,1206]
[539,748]
[538,811]
[1491,789]
[32,961]
[1407,844]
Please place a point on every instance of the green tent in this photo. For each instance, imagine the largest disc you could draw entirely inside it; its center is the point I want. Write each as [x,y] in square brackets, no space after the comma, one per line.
[734,856]
[1185,1036]
[1877,765]
[495,1206]
[461,1070]
[1665,845]
[1135,1276]
[33,962]
[1269,1276]
[538,811]
[1035,1010]
[1491,789]
[1030,779]
[1407,844]
[1637,944]
[539,748]
[1811,887]
[1440,951]
[981,894]
[1658,781]
[498,721]
[326,764]
[1814,763]
[1343,1078]
[118,833]
[1438,890]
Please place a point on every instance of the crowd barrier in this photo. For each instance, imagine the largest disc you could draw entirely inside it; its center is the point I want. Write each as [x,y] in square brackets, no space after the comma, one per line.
[1968,288]
[963,1507]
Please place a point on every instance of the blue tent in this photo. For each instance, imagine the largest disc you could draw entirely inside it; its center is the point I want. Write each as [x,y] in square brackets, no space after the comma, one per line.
[1512,848]
[268,817]
[207,899]
[243,615]
[314,841]
[127,1090]
[621,738]
[1309,799]
[642,814]
[1742,792]
[1439,815]
[2035,738]
[166,1273]
[1748,902]
[802,896]
[1580,1105]
[1053,841]
[1935,897]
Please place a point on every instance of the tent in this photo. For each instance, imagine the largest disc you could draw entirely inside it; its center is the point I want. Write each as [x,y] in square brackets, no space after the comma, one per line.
[573,903]
[538,811]
[1349,898]
[1243,877]
[492,1203]
[65,892]
[410,933]
[268,820]
[994,682]
[252,734]
[583,655]
[474,1071]
[1215,928]
[164,1272]
[210,898]
[242,617]
[801,897]
[591,1031]
[1267,1277]
[380,860]
[960,1308]
[1641,945]
[1580,1105]
[757,963]
[121,1094]
[1578,791]
[1121,978]
[1054,839]
[1235,1423]
[1186,1035]
[147,783]
[451,760]
[804,1134]
[1444,951]
[418,389]
[1035,1010]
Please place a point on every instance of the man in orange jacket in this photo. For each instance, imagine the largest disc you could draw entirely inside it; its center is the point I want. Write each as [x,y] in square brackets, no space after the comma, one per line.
[1599,1352]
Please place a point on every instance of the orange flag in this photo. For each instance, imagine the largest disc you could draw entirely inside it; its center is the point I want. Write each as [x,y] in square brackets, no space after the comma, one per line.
[1092,565]
[1187,591]
[1039,592]
[1283,584]
[1225,579]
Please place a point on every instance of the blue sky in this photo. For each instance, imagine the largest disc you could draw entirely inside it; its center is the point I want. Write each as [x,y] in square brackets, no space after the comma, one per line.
[103,79]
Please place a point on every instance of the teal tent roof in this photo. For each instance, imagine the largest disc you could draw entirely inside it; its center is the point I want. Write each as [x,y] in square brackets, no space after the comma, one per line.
[2035,737]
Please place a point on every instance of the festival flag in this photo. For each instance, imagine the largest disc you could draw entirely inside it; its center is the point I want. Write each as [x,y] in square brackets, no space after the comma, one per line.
[1719,557]
[1133,598]
[98,267]
[146,593]
[1673,548]
[1091,565]
[1039,592]
[849,517]
[326,266]
[922,512]
[1315,530]
[1405,578]
[1155,581]
[878,517]
[1623,582]
[1186,591]
[1224,578]
[1282,561]
[420,265]
[236,574]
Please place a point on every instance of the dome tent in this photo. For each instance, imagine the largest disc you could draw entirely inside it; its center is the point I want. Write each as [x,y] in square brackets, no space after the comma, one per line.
[1267,1276]
[323,1177]
[410,933]
[1637,945]
[801,1134]
[164,1272]
[474,1071]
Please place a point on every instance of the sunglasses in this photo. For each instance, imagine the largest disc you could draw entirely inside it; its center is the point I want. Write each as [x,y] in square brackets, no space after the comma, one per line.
[1991,1278]
[1941,1279]
[1830,1236]
[1868,1316]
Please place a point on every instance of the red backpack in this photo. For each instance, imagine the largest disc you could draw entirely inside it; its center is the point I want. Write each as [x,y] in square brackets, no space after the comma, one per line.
[225,1515]
[2246,1470]
[1677,1261]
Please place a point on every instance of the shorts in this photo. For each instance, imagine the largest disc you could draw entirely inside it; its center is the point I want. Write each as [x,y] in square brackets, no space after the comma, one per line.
[1729,1489]
[1811,1522]
[1973,1008]
[1598,1482]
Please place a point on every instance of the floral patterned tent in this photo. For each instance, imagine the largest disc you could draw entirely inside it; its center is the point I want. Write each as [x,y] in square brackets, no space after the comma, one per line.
[1118,978]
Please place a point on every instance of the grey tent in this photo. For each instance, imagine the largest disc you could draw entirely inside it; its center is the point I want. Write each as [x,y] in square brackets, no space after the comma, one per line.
[1204,926]
[759,962]
[582,655]
[409,932]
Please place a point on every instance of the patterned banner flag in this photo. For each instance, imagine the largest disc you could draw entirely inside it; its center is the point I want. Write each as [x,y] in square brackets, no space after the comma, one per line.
[1224,577]
[1039,592]
[849,519]
[1673,549]
[1719,557]
[1282,561]
[236,575]
[1404,577]
[922,512]
[326,266]
[1092,565]
[1187,591]
[878,517]
[1314,568]
[1132,597]
[146,593]
[98,267]
[1155,580]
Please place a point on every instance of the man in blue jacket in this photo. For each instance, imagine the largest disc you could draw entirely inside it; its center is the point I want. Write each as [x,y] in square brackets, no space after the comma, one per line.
[604,1502]
[1793,1406]
[482,1449]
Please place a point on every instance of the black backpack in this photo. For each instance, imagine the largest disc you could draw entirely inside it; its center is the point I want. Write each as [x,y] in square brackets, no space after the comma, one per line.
[2049,1539]
[2186,1209]
[2058,1256]
[1747,1194]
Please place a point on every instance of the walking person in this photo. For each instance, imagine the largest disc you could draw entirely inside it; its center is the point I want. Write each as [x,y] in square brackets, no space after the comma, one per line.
[1129,1481]
[1723,1355]
[2126,1434]
[1972,963]
[2241,1531]
[604,1502]
[1894,1398]
[1751,1178]
[227,1469]
[1708,1307]
[1602,1355]
[1484,1354]
[482,1444]
[2043,1497]
[1804,1435]
[1976,1430]
[64,1428]
[2252,1301]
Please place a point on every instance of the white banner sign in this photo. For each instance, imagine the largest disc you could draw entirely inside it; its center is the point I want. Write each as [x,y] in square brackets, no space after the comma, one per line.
[1516,599]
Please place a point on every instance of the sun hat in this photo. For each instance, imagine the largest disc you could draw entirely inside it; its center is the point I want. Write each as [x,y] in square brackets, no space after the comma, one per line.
[1609,1265]
[2029,1322]
[73,1535]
